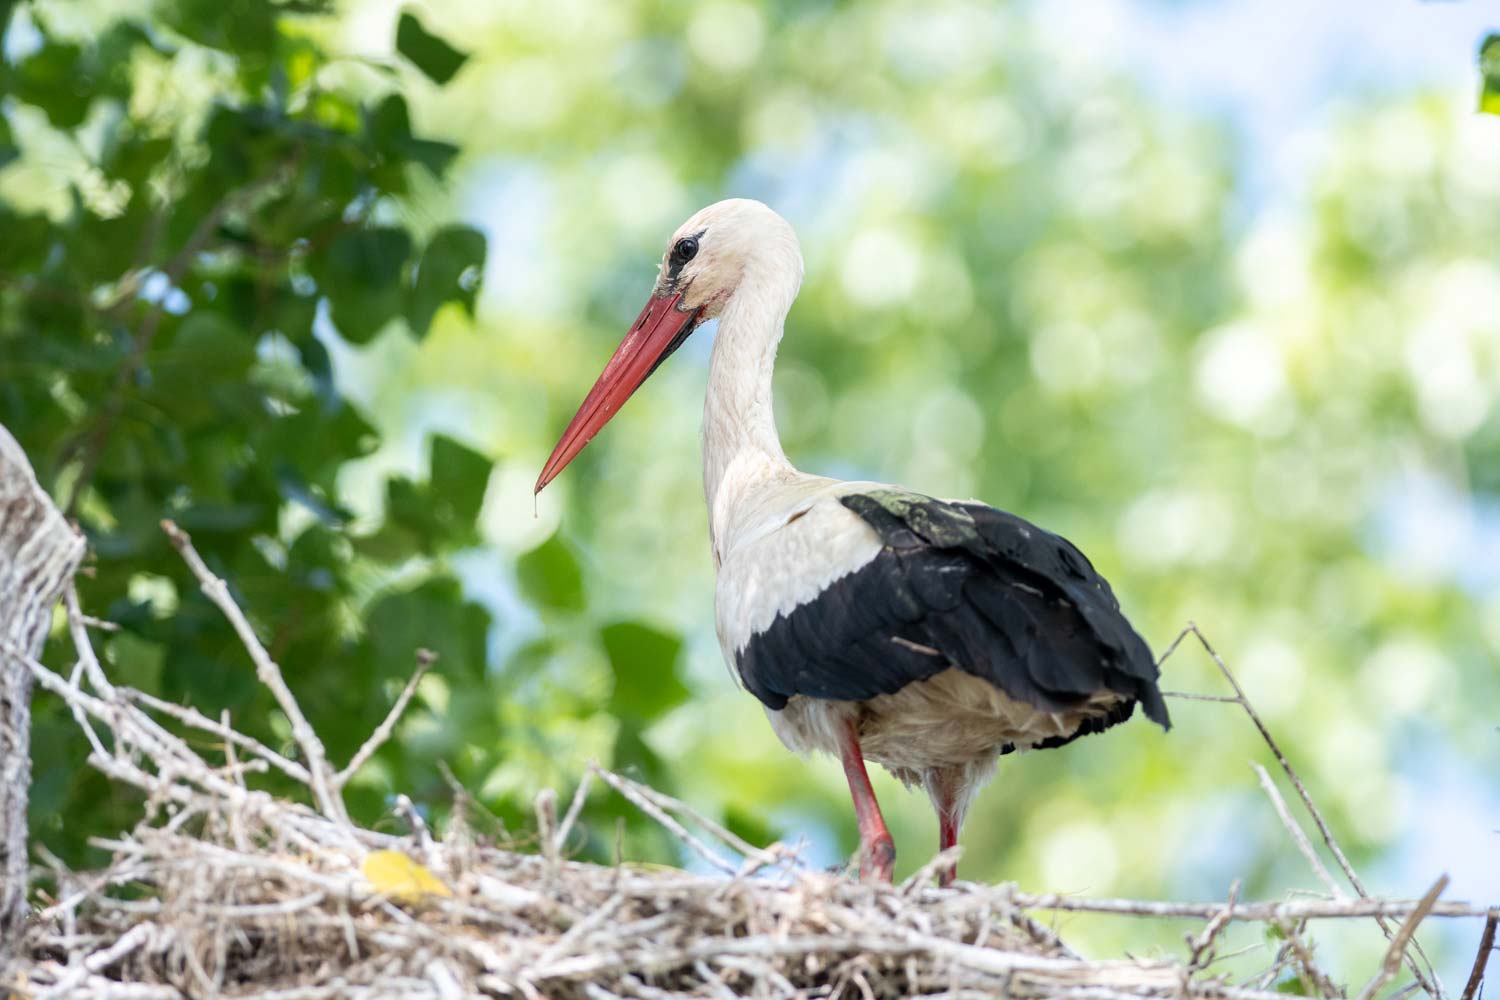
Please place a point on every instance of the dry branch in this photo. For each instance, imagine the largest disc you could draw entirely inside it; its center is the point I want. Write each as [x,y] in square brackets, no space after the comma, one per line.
[1427,979]
[1482,959]
[223,890]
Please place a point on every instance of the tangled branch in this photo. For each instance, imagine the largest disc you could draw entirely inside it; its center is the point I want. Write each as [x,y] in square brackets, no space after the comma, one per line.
[224,890]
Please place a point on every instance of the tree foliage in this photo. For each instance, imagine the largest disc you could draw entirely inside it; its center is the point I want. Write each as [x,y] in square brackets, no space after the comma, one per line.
[164,345]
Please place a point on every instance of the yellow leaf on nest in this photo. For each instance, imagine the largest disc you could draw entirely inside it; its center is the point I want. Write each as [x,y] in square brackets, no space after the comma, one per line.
[394,874]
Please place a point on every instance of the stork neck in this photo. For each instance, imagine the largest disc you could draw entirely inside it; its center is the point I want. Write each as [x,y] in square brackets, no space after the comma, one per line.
[740,443]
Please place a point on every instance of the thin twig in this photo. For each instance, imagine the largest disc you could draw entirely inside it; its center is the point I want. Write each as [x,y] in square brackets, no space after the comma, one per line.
[322,781]
[1482,959]
[1194,696]
[624,787]
[231,736]
[1298,837]
[1201,948]
[1313,979]
[1397,951]
[137,937]
[425,659]
[726,836]
[575,807]
[1263,912]
[1428,981]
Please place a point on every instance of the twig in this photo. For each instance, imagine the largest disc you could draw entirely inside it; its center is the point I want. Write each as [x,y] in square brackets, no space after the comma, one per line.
[545,806]
[1298,837]
[923,876]
[100,624]
[1428,982]
[1201,948]
[624,787]
[425,660]
[136,937]
[231,736]
[1194,696]
[1313,980]
[1312,909]
[724,835]
[1397,951]
[1486,945]
[320,773]
[575,807]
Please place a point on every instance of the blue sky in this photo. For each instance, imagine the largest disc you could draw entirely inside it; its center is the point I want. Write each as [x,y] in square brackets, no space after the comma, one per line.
[1278,68]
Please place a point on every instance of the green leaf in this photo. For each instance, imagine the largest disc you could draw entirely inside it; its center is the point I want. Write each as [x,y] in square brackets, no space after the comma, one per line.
[424,518]
[1489,68]
[198,372]
[8,150]
[52,79]
[28,240]
[244,27]
[458,479]
[434,57]
[644,661]
[388,129]
[549,576]
[360,272]
[1293,986]
[450,270]
[432,616]
[135,662]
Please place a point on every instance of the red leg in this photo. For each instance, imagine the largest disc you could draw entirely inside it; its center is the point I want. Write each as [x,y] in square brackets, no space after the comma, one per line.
[947,837]
[943,788]
[877,851]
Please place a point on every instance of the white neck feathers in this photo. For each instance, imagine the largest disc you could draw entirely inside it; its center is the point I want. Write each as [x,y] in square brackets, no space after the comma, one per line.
[740,444]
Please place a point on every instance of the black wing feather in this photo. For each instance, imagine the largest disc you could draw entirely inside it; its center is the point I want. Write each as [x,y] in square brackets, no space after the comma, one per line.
[965,585]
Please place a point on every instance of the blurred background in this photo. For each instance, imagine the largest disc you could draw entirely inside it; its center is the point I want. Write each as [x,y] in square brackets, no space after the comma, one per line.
[1211,288]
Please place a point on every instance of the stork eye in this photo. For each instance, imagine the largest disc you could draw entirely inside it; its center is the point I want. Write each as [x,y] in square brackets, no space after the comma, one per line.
[685,250]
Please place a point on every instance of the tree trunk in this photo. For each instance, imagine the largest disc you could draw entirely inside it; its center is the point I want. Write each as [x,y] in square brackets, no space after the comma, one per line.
[38,553]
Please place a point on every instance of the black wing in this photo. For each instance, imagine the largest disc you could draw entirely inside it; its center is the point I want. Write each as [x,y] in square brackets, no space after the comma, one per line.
[963,585]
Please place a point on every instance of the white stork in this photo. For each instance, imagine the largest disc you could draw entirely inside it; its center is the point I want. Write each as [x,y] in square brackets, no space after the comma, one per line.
[873,623]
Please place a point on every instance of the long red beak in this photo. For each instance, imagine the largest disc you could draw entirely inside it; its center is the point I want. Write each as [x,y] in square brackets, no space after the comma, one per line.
[658,331]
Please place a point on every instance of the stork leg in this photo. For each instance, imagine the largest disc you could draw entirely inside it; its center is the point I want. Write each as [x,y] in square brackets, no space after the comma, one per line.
[877,851]
[945,788]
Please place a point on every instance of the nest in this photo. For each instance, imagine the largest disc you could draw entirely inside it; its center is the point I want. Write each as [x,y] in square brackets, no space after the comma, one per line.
[226,890]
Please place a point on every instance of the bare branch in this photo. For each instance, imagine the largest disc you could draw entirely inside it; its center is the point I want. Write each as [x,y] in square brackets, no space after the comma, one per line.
[631,790]
[1482,959]
[1266,912]
[192,717]
[425,659]
[580,796]
[1201,948]
[323,783]
[1428,980]
[1397,951]
[1298,837]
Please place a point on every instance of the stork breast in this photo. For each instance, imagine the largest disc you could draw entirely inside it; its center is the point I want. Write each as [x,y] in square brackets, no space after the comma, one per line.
[782,556]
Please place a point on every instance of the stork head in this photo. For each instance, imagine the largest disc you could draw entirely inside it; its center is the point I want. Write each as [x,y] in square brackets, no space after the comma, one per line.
[706,261]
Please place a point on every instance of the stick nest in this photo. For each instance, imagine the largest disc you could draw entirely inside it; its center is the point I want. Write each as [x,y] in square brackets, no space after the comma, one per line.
[224,890]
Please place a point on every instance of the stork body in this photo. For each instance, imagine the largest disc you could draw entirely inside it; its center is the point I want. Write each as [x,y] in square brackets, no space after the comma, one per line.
[871,622]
